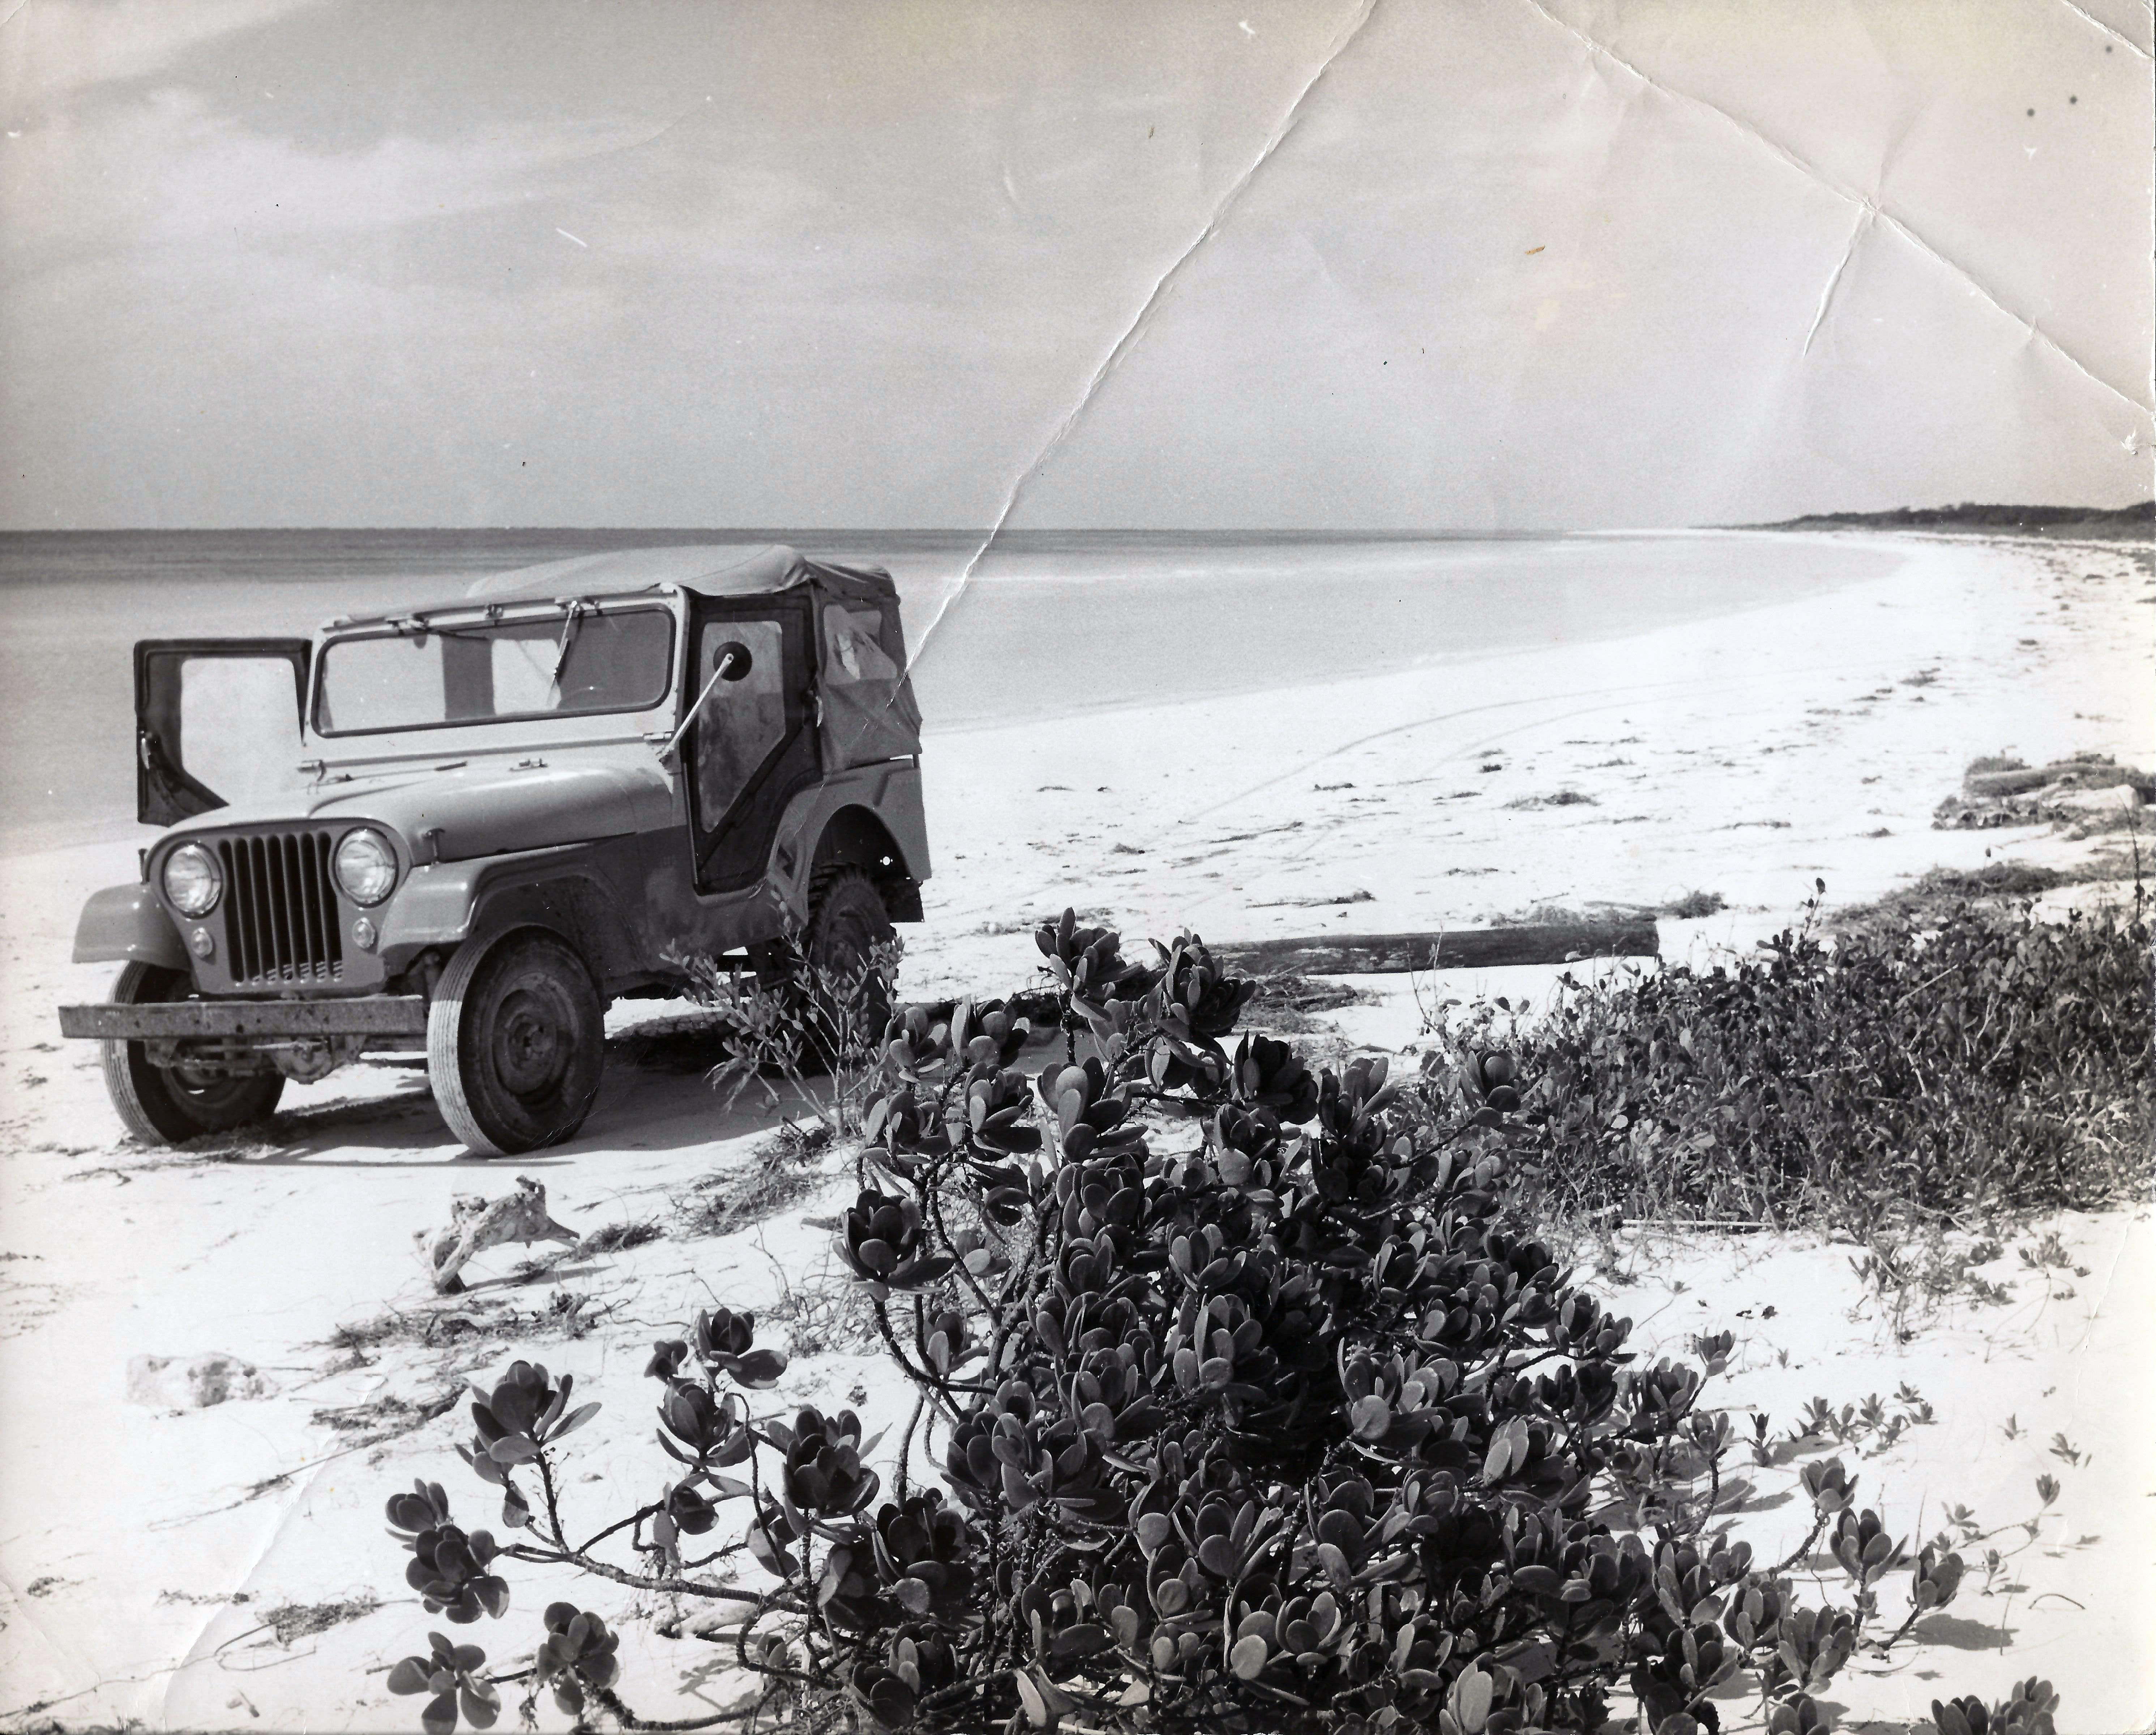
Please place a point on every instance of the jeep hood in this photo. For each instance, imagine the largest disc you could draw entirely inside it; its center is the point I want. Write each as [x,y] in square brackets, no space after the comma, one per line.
[479,809]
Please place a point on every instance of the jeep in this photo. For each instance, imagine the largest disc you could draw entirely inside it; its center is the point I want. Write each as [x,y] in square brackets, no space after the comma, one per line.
[469,828]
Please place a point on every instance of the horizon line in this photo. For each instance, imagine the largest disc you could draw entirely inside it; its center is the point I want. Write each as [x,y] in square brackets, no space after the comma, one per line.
[990,534]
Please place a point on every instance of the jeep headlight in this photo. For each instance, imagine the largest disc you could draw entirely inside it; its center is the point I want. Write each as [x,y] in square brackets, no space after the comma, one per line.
[192,879]
[366,866]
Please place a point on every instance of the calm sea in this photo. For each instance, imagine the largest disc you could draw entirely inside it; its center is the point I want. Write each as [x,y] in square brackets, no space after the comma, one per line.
[1052,623]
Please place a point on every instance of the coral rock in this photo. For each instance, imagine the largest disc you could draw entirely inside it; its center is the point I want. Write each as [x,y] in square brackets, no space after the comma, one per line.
[191,1383]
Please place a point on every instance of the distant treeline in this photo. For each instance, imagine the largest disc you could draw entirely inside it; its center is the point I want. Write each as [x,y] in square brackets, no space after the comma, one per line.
[2136,521]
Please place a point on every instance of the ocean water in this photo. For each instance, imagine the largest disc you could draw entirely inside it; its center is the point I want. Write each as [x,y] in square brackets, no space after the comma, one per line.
[1049,624]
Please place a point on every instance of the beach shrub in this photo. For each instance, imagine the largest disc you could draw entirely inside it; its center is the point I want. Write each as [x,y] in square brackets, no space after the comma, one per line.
[1963,1059]
[789,1018]
[2025,1711]
[1259,1404]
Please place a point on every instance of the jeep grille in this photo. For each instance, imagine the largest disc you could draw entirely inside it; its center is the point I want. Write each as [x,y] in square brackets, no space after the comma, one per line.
[280,909]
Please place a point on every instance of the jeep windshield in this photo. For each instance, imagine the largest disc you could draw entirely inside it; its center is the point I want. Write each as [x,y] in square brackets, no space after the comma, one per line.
[577,660]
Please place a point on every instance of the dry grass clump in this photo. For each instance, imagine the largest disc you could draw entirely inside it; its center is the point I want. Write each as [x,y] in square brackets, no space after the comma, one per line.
[1563,798]
[1292,1005]
[827,1315]
[619,1237]
[293,1621]
[472,1319]
[783,1170]
[1693,905]
[386,1417]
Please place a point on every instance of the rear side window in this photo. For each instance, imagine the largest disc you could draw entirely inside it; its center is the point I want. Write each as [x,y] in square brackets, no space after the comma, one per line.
[853,657]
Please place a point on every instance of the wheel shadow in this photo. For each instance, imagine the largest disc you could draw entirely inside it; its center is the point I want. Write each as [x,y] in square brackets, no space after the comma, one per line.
[643,1109]
[647,1103]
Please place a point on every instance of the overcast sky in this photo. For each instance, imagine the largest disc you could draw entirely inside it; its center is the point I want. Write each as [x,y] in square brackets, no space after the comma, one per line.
[1503,265]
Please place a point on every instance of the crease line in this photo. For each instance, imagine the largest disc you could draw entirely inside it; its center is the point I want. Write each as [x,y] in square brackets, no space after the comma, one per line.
[1813,172]
[2110,1283]
[1826,295]
[2095,23]
[195,1652]
[650,138]
[20,1606]
[1135,331]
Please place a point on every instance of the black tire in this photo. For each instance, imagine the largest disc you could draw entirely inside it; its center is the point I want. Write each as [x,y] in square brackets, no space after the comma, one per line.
[847,922]
[515,1040]
[164,1105]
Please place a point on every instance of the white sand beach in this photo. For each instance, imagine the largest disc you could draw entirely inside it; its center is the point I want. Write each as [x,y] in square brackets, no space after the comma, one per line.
[145,1555]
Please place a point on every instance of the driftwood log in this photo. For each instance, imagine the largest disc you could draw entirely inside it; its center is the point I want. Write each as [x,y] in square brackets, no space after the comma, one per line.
[1465,948]
[1532,942]
[477,1223]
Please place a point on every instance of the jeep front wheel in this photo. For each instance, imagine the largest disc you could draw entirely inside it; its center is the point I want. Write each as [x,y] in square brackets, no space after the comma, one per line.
[516,1039]
[165,1104]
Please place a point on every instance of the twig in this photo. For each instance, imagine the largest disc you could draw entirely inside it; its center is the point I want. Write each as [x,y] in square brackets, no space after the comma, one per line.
[906,1444]
[929,1383]
[629,1719]
[1804,1547]
[635,1517]
[635,1581]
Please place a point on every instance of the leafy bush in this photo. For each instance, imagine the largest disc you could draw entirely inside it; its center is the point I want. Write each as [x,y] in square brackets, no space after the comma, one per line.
[1980,1060]
[1258,1404]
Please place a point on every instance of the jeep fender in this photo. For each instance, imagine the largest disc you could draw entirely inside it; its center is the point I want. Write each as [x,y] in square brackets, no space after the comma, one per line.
[568,891]
[125,925]
[860,817]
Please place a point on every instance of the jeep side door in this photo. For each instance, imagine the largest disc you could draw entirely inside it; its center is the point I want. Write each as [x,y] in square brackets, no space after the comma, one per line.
[215,720]
[752,747]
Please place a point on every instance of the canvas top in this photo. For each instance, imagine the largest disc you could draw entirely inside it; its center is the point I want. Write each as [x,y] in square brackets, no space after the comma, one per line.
[710,570]
[866,711]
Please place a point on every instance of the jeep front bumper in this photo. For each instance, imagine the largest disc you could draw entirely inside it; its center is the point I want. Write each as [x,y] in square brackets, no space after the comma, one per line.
[182,1020]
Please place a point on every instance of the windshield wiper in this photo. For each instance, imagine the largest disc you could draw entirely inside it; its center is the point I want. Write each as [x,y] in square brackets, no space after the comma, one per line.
[576,610]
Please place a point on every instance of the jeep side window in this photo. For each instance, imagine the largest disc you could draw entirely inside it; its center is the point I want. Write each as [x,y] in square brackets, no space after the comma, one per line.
[863,718]
[239,728]
[744,720]
[855,658]
[215,720]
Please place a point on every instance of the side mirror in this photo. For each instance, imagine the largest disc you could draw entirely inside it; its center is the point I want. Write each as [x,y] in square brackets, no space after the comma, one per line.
[731,662]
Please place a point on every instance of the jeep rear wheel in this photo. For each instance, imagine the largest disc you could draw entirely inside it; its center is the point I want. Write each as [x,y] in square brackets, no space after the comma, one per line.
[165,1104]
[851,998]
[515,1038]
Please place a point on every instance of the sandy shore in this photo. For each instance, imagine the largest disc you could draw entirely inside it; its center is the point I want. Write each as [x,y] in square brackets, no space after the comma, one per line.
[1746,756]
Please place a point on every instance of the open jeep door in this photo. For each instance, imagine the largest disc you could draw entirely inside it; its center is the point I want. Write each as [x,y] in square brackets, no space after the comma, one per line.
[754,746]
[215,720]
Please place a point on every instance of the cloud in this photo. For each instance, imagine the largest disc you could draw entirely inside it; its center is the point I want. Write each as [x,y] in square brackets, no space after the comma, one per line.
[270,262]
[56,50]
